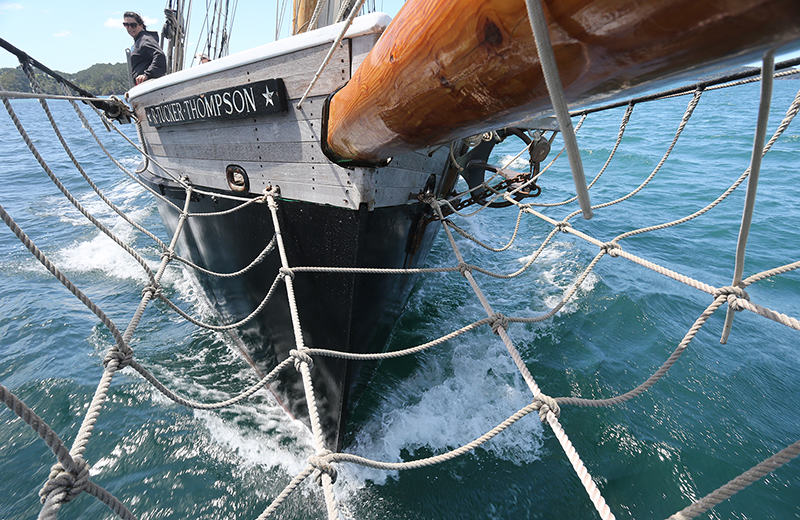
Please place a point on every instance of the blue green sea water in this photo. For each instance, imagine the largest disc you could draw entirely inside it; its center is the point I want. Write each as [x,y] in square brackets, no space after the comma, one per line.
[720,410]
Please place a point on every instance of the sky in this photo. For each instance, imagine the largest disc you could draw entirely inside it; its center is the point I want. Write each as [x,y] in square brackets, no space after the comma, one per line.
[72,35]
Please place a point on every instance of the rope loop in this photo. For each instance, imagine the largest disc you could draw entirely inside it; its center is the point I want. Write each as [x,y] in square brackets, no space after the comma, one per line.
[498,319]
[124,359]
[299,358]
[65,482]
[611,248]
[547,404]
[464,268]
[320,463]
[286,272]
[563,226]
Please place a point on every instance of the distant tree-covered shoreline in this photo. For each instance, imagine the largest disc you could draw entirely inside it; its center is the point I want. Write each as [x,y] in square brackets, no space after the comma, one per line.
[101,79]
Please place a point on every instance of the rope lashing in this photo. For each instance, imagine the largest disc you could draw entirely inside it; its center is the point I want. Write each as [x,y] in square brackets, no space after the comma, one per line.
[563,226]
[286,272]
[464,268]
[730,289]
[169,255]
[124,359]
[497,320]
[301,357]
[733,303]
[545,403]
[321,464]
[116,108]
[611,248]
[734,294]
[154,290]
[64,482]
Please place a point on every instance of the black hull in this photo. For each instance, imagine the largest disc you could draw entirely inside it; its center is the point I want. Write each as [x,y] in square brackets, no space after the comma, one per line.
[344,312]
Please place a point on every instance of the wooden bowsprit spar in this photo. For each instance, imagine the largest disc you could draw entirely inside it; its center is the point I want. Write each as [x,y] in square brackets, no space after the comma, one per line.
[447,69]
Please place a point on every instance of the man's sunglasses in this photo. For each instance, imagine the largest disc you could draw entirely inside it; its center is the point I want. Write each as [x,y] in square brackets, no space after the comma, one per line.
[131,25]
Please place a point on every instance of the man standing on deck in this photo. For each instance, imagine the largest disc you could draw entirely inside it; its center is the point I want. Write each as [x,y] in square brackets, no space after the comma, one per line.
[147,58]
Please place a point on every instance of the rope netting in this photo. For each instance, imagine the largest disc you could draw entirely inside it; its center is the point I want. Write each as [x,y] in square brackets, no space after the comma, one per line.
[70,475]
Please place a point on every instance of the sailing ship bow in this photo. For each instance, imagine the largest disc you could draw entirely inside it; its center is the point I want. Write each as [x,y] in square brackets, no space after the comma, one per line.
[447,69]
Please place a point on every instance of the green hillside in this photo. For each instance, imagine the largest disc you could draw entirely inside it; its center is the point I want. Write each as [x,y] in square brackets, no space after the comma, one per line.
[101,79]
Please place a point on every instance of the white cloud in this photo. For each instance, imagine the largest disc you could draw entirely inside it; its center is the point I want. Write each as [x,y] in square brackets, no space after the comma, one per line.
[62,34]
[10,7]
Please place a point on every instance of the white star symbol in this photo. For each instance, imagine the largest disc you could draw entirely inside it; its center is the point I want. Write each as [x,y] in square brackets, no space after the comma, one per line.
[268,97]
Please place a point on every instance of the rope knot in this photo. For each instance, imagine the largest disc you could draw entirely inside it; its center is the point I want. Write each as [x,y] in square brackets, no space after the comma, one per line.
[464,268]
[169,255]
[546,404]
[563,226]
[154,290]
[299,358]
[497,320]
[733,302]
[285,271]
[321,464]
[65,483]
[611,248]
[124,359]
[733,294]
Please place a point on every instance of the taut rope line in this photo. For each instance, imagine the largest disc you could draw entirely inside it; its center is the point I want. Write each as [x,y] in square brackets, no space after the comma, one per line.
[70,476]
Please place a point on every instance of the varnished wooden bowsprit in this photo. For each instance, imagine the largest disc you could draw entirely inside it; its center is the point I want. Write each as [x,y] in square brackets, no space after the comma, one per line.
[446,69]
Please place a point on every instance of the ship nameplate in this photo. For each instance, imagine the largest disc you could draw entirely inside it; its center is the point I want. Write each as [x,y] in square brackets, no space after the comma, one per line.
[248,100]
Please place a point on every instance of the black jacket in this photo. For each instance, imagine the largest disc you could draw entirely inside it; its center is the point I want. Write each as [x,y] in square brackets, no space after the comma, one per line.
[147,57]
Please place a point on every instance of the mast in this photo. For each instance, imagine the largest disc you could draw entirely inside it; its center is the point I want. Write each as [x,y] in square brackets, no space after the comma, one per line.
[173,35]
[327,12]
[303,11]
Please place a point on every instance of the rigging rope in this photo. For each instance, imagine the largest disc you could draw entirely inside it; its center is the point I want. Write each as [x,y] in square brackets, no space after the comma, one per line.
[70,476]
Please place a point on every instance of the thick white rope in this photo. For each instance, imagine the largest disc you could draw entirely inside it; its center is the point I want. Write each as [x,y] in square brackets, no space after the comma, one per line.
[305,370]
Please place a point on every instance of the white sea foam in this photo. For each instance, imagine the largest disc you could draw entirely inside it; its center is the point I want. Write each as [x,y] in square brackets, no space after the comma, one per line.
[126,195]
[265,445]
[520,164]
[454,399]
[257,429]
[458,393]
[99,253]
[557,268]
